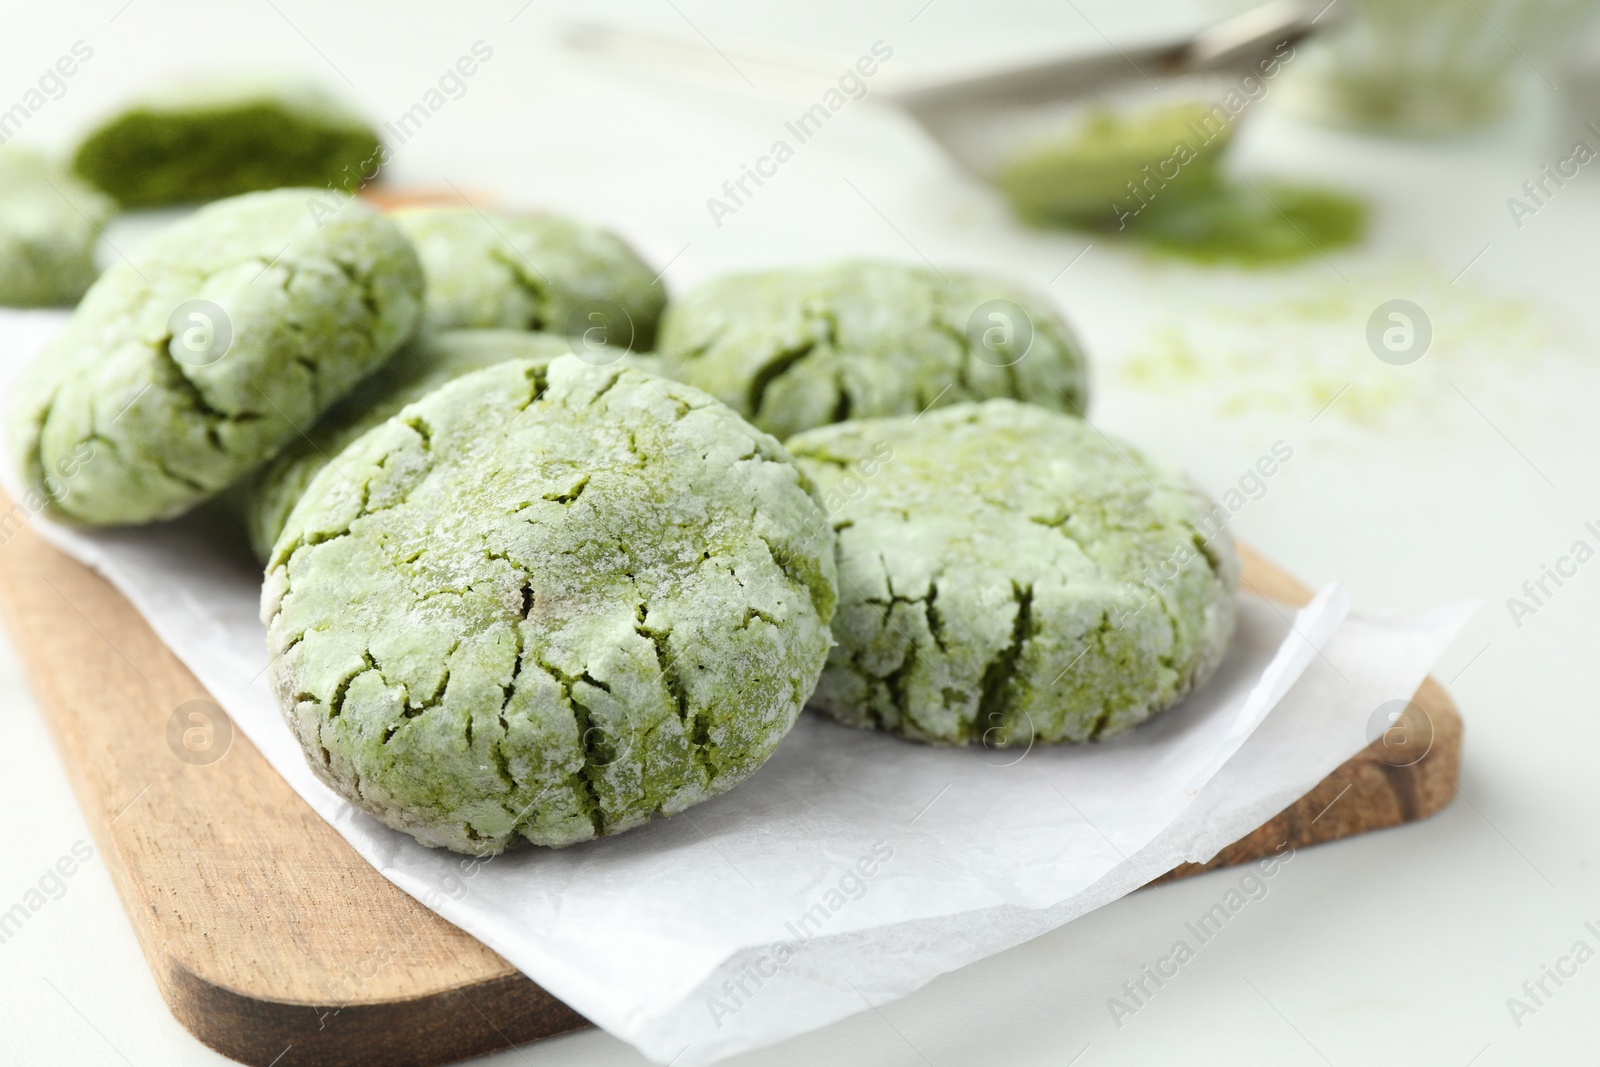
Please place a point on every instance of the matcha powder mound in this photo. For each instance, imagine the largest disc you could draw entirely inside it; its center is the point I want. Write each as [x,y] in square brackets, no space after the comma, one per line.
[1156,178]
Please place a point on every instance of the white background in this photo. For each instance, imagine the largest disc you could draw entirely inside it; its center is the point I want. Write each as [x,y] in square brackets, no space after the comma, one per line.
[1460,475]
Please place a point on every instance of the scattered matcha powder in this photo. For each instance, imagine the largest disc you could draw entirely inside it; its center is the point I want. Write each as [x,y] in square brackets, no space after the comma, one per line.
[1251,225]
[1298,346]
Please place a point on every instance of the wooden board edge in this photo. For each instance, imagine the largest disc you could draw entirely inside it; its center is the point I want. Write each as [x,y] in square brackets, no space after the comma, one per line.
[444,1027]
[1407,774]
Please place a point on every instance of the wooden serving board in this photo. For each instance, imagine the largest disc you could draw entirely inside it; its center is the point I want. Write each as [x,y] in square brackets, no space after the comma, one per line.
[275,944]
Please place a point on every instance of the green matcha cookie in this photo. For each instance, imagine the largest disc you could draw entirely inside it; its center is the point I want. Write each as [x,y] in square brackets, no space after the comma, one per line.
[793,349]
[206,354]
[1008,575]
[548,603]
[202,140]
[49,223]
[534,272]
[266,497]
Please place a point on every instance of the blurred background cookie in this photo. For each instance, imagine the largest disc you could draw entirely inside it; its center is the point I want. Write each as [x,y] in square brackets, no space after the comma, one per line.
[49,223]
[204,138]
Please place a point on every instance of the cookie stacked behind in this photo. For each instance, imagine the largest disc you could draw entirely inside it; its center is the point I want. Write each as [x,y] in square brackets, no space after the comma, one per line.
[496,270]
[793,349]
[265,498]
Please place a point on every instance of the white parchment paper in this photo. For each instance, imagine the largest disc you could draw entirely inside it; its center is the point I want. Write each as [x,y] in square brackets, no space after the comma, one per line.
[853,868]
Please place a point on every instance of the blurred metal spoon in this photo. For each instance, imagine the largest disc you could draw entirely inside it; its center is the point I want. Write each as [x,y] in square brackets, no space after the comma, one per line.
[981,117]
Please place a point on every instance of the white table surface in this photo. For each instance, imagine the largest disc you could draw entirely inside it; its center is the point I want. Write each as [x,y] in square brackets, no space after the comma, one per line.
[1460,475]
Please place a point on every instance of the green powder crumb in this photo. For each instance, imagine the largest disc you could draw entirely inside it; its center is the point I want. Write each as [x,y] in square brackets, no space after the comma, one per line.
[1295,345]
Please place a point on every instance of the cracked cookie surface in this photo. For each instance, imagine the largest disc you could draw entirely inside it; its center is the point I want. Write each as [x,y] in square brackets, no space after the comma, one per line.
[548,602]
[533,272]
[1008,575]
[145,426]
[798,348]
[265,498]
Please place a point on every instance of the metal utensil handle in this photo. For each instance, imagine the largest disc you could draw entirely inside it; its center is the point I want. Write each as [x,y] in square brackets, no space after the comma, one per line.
[778,67]
[1250,32]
